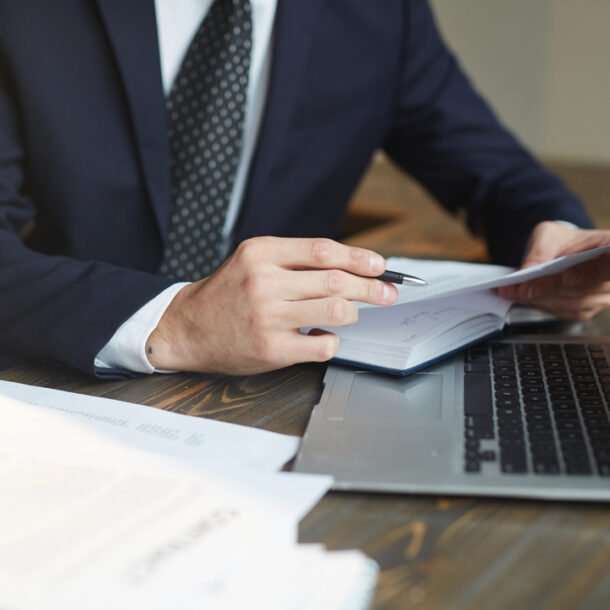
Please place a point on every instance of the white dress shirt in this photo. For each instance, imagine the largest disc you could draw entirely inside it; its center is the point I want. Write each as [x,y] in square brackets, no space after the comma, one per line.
[177,23]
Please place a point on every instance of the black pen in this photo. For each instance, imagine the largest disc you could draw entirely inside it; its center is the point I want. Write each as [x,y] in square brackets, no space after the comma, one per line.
[396,277]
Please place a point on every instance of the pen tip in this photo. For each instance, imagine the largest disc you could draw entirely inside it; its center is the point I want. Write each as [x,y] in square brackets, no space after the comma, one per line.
[415,281]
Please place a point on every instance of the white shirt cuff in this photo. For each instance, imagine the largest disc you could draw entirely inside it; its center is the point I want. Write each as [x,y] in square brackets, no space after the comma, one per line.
[127,347]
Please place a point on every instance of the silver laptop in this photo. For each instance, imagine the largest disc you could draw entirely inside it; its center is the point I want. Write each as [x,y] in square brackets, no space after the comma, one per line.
[526,417]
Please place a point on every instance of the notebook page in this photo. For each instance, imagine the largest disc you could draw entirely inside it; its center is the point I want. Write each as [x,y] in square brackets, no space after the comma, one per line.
[389,336]
[411,323]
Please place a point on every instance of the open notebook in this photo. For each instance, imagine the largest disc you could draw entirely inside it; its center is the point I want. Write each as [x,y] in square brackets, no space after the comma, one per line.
[455,309]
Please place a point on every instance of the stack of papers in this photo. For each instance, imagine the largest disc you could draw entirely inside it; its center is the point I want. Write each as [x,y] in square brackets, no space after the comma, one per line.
[113,505]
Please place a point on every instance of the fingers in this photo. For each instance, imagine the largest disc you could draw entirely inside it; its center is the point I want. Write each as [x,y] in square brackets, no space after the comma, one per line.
[329,312]
[319,253]
[573,309]
[582,240]
[573,306]
[589,274]
[286,349]
[319,284]
[318,347]
[578,286]
[597,300]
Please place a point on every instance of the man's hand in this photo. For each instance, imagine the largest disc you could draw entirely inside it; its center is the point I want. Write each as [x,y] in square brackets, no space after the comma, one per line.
[576,294]
[246,317]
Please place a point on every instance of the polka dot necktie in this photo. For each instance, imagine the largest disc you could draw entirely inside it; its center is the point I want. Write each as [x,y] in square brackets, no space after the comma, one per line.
[206,112]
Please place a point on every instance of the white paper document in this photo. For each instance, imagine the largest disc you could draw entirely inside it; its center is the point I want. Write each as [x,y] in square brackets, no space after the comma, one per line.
[447,278]
[88,521]
[305,577]
[195,440]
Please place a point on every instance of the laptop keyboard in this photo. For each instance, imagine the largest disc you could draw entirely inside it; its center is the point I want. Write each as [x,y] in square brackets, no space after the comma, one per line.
[543,407]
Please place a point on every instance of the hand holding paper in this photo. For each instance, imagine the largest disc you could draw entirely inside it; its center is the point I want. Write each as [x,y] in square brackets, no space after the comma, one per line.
[577,294]
[448,278]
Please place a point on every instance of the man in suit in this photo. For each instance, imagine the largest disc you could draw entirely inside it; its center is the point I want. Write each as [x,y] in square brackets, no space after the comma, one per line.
[142,143]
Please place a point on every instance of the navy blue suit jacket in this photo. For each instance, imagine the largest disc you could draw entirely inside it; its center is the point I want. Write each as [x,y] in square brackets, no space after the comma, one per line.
[84,164]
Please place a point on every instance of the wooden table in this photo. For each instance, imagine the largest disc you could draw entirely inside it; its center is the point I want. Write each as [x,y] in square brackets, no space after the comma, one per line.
[453,553]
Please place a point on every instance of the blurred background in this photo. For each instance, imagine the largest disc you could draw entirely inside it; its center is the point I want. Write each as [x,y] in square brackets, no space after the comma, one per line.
[544,65]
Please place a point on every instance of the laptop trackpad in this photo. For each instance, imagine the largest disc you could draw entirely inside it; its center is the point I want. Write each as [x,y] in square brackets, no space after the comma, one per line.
[415,398]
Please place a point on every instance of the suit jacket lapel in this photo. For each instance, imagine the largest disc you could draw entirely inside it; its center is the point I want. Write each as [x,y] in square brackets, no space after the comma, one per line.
[132,29]
[294,23]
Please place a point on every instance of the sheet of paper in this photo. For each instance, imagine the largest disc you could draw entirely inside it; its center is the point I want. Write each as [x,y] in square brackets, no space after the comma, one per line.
[193,439]
[305,577]
[88,521]
[449,278]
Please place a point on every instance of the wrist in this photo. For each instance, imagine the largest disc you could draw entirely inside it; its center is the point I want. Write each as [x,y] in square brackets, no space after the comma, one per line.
[169,344]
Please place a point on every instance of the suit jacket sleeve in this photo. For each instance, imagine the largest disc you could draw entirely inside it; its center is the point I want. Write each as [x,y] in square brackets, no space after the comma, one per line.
[52,307]
[446,136]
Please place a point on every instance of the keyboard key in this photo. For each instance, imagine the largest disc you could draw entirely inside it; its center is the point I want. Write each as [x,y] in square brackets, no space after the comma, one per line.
[477,394]
[567,416]
[597,421]
[507,394]
[535,417]
[599,443]
[593,412]
[578,468]
[512,443]
[504,385]
[564,405]
[514,464]
[536,408]
[509,424]
[599,432]
[602,454]
[471,456]
[475,434]
[513,431]
[574,448]
[565,426]
[509,412]
[571,435]
[546,466]
[543,448]
[591,402]
[472,445]
[473,467]
[479,421]
[476,361]
[561,396]
[604,468]
[533,391]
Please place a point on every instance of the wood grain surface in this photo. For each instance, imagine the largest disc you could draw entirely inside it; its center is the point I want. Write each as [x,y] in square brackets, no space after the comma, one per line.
[435,553]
